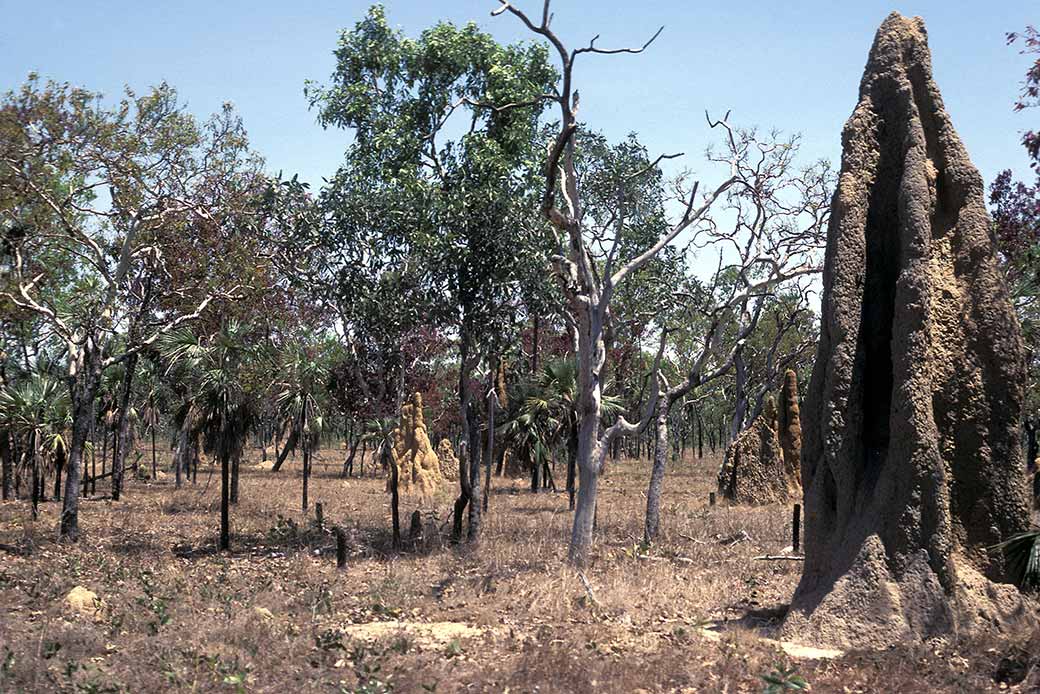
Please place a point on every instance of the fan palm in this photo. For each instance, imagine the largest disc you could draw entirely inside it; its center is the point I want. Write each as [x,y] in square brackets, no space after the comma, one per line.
[552,402]
[36,410]
[299,399]
[1023,558]
[222,405]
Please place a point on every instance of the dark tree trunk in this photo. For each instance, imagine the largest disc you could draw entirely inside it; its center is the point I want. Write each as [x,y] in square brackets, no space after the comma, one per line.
[6,460]
[59,466]
[83,389]
[348,464]
[35,452]
[305,429]
[155,467]
[547,477]
[290,446]
[466,450]
[122,430]
[236,459]
[306,472]
[225,499]
[492,405]
[104,460]
[93,447]
[700,436]
[395,508]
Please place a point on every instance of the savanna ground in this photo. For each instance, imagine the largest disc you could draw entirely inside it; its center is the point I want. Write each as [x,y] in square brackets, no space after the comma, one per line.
[275,615]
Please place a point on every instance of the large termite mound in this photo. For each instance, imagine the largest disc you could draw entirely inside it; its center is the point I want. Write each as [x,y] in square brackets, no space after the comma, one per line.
[753,469]
[418,468]
[448,460]
[911,462]
[789,428]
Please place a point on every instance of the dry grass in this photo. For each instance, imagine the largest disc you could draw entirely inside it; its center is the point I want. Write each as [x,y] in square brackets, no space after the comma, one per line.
[179,616]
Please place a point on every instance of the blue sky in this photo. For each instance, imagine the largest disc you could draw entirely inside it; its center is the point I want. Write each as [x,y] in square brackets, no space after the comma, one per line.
[794,66]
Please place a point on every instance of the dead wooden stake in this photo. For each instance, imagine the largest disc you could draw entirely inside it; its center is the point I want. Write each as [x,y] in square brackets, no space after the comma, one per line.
[341,548]
[319,515]
[415,531]
[796,521]
[711,498]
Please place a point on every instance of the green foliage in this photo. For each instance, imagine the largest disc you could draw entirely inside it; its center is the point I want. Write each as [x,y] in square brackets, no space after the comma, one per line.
[425,215]
[215,371]
[542,412]
[783,679]
[1022,552]
[153,602]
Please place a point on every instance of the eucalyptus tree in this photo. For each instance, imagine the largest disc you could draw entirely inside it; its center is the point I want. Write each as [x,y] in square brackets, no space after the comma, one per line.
[435,180]
[591,262]
[766,245]
[115,192]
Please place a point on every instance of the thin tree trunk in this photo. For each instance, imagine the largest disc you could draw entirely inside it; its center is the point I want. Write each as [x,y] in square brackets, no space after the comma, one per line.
[475,507]
[653,494]
[180,455]
[348,464]
[155,467]
[60,454]
[306,473]
[534,348]
[236,459]
[700,435]
[305,429]
[466,450]
[93,447]
[290,446]
[123,428]
[547,477]
[104,460]
[35,475]
[6,460]
[225,499]
[492,405]
[395,510]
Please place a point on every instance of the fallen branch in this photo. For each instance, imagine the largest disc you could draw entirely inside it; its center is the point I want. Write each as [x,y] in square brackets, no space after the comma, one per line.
[735,538]
[780,557]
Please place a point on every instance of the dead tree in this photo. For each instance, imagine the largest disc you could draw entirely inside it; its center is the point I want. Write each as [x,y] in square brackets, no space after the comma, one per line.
[589,282]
